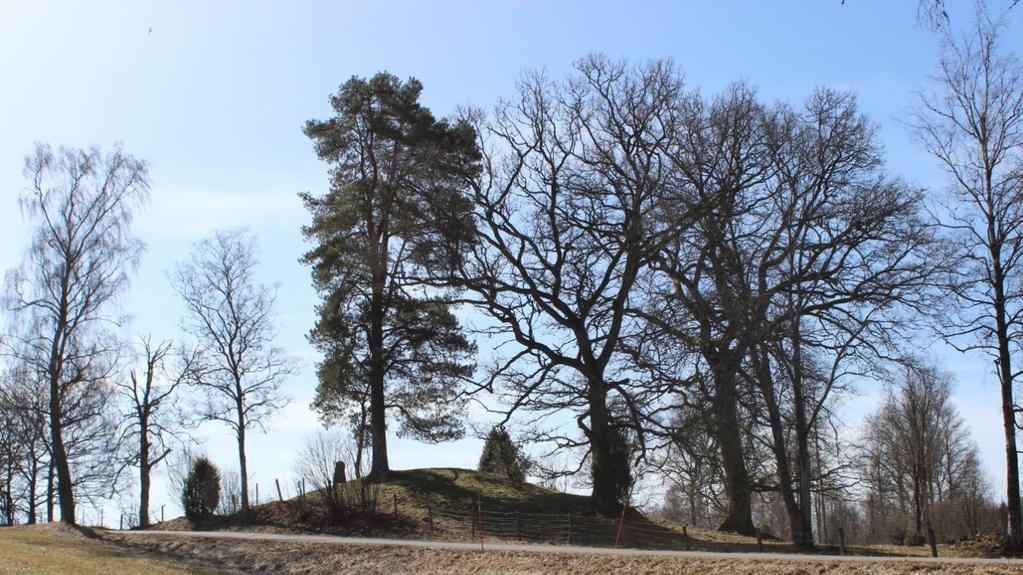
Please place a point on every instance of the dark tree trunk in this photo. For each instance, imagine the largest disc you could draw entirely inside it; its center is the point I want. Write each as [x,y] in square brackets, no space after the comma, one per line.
[8,499]
[49,491]
[360,440]
[378,432]
[917,499]
[58,453]
[144,469]
[602,464]
[144,498]
[1008,414]
[803,535]
[693,508]
[65,493]
[377,406]
[33,483]
[243,467]
[738,489]
[794,510]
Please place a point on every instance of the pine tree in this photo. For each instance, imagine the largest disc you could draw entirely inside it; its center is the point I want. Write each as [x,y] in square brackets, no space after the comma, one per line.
[396,211]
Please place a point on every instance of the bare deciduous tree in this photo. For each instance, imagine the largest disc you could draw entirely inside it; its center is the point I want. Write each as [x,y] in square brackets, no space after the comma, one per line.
[917,457]
[321,452]
[799,241]
[10,454]
[692,468]
[972,122]
[572,173]
[231,316]
[24,439]
[151,420]
[934,13]
[82,250]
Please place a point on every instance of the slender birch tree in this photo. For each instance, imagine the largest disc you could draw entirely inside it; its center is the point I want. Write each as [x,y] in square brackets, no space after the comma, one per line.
[238,368]
[971,121]
[82,203]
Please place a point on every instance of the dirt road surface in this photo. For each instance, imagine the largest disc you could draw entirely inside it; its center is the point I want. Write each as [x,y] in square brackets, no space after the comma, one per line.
[270,553]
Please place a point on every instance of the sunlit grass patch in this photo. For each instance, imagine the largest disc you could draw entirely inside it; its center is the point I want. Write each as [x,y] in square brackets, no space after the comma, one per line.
[46,549]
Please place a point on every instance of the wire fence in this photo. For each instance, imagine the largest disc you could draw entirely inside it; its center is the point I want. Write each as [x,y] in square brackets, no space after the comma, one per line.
[481,524]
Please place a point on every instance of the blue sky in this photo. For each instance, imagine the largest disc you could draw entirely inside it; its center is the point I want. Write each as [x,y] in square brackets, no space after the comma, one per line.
[214,95]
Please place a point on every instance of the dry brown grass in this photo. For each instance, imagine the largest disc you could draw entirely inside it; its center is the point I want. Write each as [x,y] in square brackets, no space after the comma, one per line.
[288,558]
[54,549]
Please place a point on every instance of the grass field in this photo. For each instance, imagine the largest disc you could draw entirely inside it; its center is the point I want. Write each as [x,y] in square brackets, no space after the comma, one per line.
[54,549]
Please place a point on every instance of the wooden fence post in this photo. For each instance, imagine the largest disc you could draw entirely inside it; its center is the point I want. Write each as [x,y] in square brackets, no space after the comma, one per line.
[685,536]
[841,541]
[479,512]
[257,494]
[161,513]
[932,542]
[621,525]
[280,496]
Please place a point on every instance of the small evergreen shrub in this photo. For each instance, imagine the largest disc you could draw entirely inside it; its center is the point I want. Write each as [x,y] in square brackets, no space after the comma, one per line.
[502,457]
[201,494]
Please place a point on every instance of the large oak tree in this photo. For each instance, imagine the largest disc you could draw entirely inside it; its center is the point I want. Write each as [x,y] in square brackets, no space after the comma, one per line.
[574,170]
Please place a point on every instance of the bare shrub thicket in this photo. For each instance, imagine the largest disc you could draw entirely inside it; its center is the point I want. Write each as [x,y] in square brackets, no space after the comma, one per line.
[317,463]
[230,493]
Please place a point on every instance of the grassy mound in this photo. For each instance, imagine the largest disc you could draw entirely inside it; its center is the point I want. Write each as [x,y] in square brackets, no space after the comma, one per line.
[408,499]
[439,504]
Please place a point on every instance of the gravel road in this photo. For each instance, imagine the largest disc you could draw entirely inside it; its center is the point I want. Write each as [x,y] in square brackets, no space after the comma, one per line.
[569,549]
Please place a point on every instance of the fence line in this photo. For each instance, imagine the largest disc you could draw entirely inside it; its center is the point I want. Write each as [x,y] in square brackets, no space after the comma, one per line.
[480,523]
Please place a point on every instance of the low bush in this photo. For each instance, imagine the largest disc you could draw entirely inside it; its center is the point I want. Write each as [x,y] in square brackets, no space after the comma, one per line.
[913,539]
